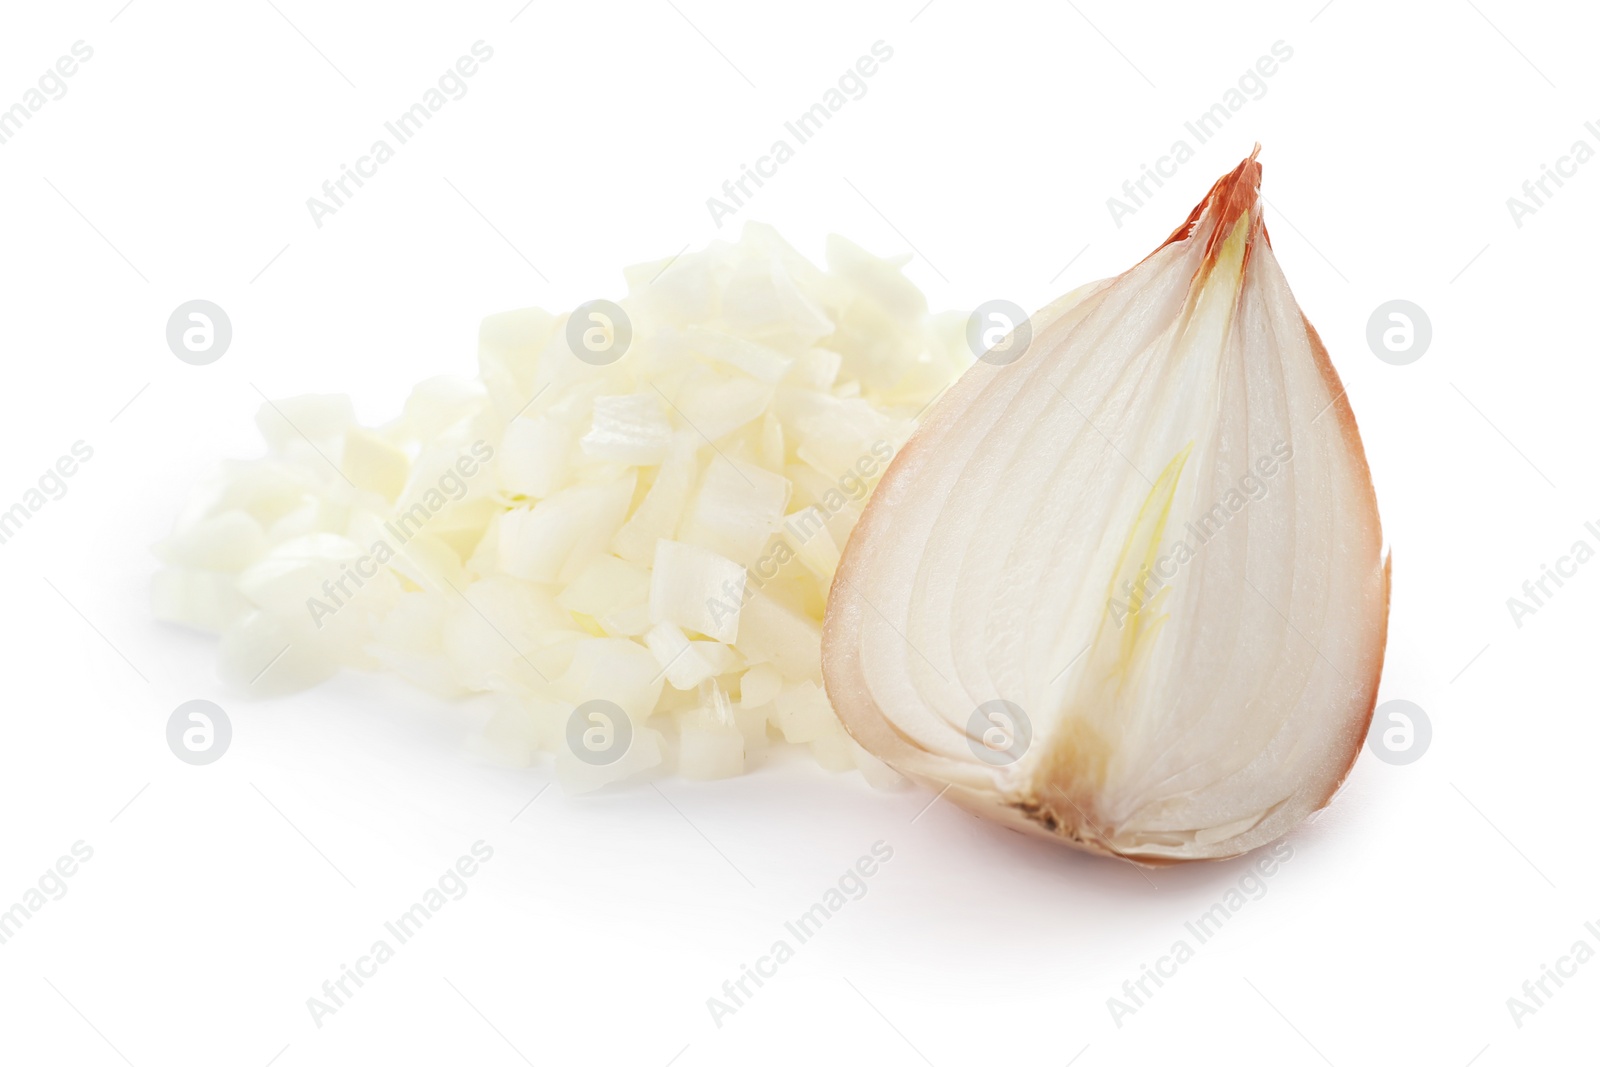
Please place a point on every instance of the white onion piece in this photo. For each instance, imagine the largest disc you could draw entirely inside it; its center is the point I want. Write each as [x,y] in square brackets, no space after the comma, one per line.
[535,456]
[697,589]
[628,429]
[736,510]
[554,538]
[1023,547]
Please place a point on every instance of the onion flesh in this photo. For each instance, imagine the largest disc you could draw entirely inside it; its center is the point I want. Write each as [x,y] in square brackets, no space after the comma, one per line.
[657,530]
[1128,591]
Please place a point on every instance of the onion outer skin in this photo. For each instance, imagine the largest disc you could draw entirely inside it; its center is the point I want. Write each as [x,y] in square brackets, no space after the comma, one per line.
[1017,800]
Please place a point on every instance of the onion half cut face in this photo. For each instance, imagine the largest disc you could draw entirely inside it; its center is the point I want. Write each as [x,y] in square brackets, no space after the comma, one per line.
[1128,590]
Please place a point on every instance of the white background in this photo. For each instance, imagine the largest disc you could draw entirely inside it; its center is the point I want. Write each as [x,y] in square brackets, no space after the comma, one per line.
[177,166]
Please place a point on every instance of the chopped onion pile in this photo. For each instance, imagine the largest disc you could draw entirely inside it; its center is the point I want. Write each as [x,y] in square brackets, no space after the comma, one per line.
[642,507]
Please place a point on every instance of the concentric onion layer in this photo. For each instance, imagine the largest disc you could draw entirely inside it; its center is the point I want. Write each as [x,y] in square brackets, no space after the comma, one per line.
[1156,537]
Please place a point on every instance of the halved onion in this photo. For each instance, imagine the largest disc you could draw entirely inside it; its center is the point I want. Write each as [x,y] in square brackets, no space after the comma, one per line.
[1127,590]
